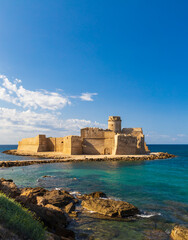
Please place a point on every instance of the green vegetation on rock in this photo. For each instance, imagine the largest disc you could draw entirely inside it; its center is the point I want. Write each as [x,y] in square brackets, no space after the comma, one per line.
[19,219]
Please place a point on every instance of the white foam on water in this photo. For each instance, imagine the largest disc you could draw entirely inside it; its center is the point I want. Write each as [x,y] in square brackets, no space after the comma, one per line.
[75,193]
[113,198]
[89,211]
[148,215]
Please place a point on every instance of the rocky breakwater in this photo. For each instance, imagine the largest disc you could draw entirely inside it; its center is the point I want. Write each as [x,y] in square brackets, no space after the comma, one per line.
[51,157]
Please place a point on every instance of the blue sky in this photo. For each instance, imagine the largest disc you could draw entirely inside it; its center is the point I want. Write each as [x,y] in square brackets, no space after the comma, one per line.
[71,64]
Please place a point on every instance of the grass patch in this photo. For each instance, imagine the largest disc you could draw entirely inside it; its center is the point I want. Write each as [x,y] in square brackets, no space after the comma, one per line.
[19,219]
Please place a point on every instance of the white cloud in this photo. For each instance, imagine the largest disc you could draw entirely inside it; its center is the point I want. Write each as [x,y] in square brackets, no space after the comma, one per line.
[86,96]
[5,95]
[20,96]
[27,121]
[181,135]
[14,123]
[155,137]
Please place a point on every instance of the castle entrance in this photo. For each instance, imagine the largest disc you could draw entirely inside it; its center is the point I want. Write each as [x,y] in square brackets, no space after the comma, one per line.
[107,151]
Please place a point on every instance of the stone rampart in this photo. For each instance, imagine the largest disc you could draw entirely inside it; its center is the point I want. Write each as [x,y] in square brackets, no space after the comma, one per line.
[35,144]
[72,145]
[97,141]
[125,145]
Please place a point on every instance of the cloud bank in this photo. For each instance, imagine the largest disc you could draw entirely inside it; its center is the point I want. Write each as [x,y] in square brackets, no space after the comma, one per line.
[15,93]
[36,112]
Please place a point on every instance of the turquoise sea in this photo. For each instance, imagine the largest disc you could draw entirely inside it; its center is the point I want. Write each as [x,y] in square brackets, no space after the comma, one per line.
[158,188]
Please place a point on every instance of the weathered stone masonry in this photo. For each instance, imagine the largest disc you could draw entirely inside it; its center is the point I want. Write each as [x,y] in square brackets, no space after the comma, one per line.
[93,141]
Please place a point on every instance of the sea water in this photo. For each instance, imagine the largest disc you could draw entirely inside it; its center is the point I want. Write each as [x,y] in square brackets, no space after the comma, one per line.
[159,188]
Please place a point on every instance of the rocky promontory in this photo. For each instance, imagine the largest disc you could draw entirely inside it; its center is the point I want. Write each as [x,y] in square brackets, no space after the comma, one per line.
[57,208]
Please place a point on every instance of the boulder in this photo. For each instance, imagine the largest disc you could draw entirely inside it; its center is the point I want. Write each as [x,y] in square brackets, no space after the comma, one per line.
[57,198]
[110,208]
[70,207]
[94,195]
[45,205]
[9,188]
[53,207]
[31,194]
[179,233]
[54,219]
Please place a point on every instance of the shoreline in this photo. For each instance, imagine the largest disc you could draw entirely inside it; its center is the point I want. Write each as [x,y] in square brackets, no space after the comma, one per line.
[59,209]
[57,157]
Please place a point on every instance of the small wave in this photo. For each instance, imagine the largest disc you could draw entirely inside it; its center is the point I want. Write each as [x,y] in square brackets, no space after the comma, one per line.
[75,193]
[113,198]
[91,211]
[148,215]
[57,188]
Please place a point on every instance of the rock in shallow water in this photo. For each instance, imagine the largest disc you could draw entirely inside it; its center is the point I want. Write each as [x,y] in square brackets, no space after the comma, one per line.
[110,208]
[92,195]
[179,233]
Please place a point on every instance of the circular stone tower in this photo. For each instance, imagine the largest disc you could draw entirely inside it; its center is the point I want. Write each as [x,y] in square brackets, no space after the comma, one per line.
[114,124]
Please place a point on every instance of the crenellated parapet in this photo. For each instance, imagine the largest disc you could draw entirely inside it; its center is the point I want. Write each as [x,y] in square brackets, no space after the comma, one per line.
[114,124]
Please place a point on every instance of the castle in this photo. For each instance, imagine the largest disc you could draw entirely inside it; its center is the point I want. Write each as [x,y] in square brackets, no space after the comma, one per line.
[93,141]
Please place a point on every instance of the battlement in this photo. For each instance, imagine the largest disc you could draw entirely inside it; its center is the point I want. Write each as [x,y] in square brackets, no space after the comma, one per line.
[114,118]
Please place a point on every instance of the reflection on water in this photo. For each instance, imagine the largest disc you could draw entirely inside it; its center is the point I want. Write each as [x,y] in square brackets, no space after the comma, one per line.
[158,188]
[7,157]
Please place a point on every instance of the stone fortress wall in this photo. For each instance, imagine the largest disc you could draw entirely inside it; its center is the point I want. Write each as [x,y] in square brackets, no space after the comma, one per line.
[93,141]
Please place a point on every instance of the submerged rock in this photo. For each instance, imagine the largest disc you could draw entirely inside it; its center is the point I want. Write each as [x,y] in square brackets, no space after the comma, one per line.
[46,176]
[179,233]
[155,234]
[110,208]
